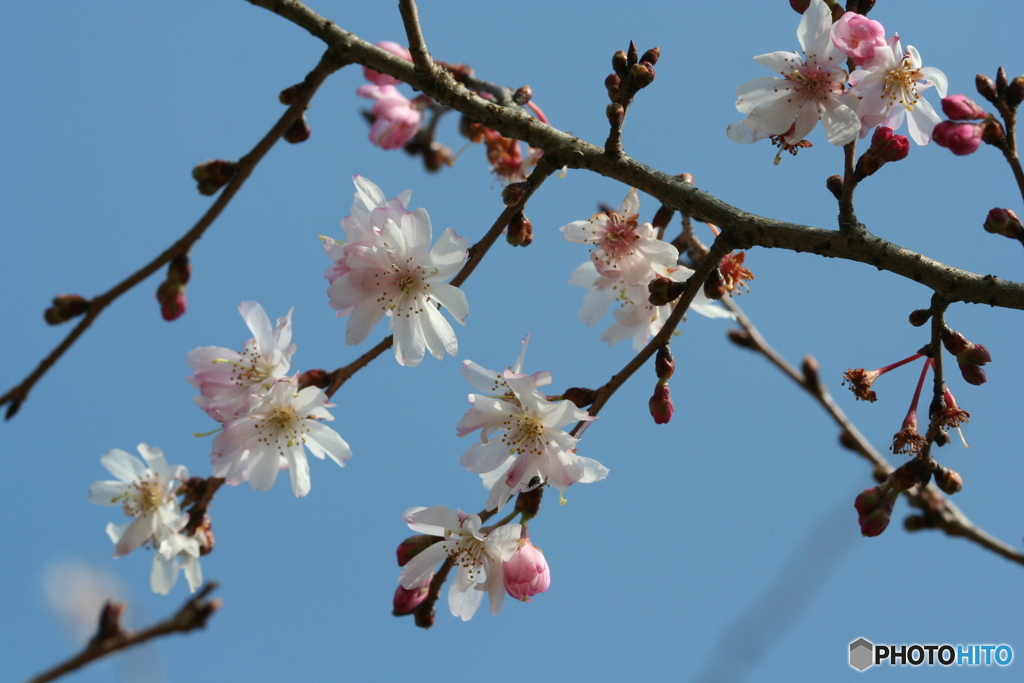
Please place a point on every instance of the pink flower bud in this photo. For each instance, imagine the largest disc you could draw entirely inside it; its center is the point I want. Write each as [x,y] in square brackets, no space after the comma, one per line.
[413,546]
[171,296]
[874,509]
[408,599]
[889,147]
[378,78]
[962,108]
[661,403]
[1004,222]
[526,573]
[959,138]
[858,37]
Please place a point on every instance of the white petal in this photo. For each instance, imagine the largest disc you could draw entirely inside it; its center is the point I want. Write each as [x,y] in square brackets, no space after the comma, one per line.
[125,467]
[164,575]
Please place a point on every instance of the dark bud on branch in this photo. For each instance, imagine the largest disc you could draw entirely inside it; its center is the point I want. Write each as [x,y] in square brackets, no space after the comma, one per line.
[213,175]
[834,183]
[920,317]
[580,396]
[298,131]
[948,480]
[986,88]
[663,291]
[664,363]
[520,231]
[291,94]
[65,307]
[523,95]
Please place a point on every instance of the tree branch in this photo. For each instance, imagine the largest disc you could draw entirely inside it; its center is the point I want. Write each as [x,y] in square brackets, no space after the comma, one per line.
[328,64]
[111,638]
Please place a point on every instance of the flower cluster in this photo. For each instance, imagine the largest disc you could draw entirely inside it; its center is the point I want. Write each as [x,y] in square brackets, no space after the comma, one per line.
[626,256]
[522,444]
[147,492]
[268,422]
[385,267]
[811,85]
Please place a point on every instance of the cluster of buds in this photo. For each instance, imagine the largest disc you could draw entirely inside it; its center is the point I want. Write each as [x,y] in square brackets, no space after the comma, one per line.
[171,292]
[966,128]
[1004,222]
[1001,93]
[885,147]
[631,73]
[213,175]
[407,600]
[874,508]
[970,357]
[660,402]
[65,307]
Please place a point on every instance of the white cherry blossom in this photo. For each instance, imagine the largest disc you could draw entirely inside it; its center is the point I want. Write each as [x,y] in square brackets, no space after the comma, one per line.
[230,382]
[274,436]
[811,86]
[478,556]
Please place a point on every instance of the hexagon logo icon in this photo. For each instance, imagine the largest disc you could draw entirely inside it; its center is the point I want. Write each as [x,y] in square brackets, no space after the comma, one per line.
[862,654]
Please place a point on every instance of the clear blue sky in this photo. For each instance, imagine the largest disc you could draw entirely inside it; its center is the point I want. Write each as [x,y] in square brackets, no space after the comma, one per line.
[733,524]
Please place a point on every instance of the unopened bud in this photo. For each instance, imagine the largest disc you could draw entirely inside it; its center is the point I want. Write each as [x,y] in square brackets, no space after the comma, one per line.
[581,397]
[613,85]
[522,95]
[742,338]
[800,6]
[986,88]
[171,296]
[413,546]
[299,131]
[962,108]
[663,291]
[948,480]
[714,285]
[916,523]
[1004,222]
[955,342]
[315,378]
[874,509]
[847,441]
[291,94]
[1015,92]
[620,64]
[514,193]
[651,56]
[972,373]
[520,231]
[632,54]
[424,618]
[992,133]
[908,475]
[616,114]
[660,403]
[664,363]
[920,317]
[1001,82]
[888,146]
[406,600]
[65,307]
[834,183]
[662,217]
[641,76]
[960,138]
[213,175]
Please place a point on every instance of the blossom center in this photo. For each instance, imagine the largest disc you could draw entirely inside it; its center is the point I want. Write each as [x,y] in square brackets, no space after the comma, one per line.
[144,497]
[465,550]
[813,81]
[899,84]
[524,434]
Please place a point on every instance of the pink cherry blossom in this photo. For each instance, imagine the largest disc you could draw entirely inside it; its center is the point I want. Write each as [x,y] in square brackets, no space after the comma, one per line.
[858,37]
[397,119]
[396,275]
[621,245]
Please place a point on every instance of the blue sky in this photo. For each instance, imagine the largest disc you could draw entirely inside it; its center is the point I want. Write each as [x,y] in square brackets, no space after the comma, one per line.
[721,544]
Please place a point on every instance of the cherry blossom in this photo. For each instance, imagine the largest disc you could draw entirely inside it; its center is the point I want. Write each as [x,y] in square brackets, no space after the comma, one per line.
[858,38]
[147,491]
[378,78]
[230,382]
[897,78]
[636,317]
[521,443]
[621,245]
[479,556]
[397,119]
[394,274]
[274,435]
[811,87]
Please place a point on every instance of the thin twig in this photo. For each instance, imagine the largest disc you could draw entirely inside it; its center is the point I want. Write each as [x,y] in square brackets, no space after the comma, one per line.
[940,511]
[245,166]
[111,638]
